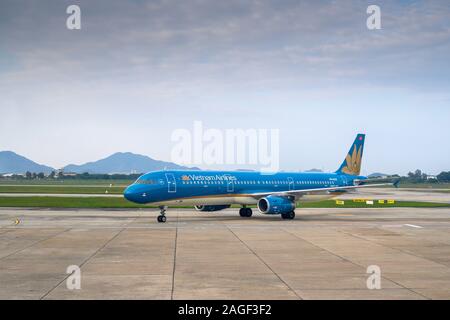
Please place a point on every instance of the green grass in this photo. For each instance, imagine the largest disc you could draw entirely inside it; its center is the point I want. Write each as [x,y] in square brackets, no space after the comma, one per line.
[67,182]
[69,202]
[424,185]
[64,189]
[98,202]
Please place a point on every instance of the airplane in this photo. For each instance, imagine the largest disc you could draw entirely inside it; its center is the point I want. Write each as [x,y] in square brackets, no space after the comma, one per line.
[274,194]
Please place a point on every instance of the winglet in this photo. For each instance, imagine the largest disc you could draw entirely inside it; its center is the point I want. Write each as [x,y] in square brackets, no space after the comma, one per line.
[396,183]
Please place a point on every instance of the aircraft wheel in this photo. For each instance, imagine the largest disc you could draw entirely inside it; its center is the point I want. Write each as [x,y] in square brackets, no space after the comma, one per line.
[245,212]
[289,215]
[162,219]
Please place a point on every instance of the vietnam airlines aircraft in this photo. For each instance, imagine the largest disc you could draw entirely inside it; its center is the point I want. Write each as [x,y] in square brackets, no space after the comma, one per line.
[273,194]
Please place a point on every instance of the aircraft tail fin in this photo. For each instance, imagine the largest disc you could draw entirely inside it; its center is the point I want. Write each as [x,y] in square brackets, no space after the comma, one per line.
[352,162]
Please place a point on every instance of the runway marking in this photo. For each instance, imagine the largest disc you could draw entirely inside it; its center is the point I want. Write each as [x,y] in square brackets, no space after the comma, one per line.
[413,226]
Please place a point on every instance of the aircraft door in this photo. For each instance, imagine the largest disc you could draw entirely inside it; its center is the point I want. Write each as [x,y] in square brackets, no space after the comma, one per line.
[230,185]
[291,183]
[171,183]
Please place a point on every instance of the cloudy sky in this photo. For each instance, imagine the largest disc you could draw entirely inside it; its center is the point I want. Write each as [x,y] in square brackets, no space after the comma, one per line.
[138,70]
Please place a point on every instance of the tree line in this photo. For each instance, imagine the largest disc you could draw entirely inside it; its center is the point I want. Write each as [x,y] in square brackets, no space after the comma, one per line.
[83,176]
[418,176]
[412,177]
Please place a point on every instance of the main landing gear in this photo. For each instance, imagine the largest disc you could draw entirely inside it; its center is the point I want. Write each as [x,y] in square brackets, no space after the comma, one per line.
[162,215]
[288,215]
[245,212]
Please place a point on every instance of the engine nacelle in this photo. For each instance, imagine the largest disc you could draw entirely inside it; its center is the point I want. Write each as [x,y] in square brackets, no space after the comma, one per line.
[275,205]
[212,208]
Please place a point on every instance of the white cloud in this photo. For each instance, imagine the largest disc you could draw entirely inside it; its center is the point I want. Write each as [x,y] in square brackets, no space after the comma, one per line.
[140,69]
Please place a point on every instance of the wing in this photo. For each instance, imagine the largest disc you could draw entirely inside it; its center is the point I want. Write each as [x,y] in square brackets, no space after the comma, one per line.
[317,190]
[392,179]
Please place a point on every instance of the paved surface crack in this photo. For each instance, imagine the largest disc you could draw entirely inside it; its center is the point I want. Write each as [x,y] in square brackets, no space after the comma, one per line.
[35,243]
[393,248]
[356,264]
[174,259]
[267,265]
[91,256]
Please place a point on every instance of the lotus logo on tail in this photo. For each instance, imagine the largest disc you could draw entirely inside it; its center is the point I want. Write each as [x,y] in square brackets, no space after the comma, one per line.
[353,161]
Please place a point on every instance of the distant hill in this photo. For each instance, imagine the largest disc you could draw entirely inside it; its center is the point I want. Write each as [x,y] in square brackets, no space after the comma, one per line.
[124,162]
[378,175]
[11,162]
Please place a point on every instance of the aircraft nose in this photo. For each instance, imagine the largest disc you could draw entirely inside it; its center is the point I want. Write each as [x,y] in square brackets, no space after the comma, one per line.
[135,194]
[129,193]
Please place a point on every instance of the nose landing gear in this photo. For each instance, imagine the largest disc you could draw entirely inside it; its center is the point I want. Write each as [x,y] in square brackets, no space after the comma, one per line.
[162,215]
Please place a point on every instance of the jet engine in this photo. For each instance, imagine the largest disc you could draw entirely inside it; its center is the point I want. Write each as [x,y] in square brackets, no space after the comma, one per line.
[212,208]
[276,205]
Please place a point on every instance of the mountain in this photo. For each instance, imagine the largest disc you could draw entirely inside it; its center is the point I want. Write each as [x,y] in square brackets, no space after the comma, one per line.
[11,162]
[124,162]
[378,175]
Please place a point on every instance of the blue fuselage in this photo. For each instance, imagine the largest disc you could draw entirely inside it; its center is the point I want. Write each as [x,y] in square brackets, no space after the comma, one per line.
[226,187]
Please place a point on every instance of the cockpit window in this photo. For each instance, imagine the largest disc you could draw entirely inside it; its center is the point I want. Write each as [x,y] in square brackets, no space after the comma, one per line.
[145,181]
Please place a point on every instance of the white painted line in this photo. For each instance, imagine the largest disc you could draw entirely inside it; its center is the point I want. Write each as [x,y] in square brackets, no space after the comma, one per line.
[413,226]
